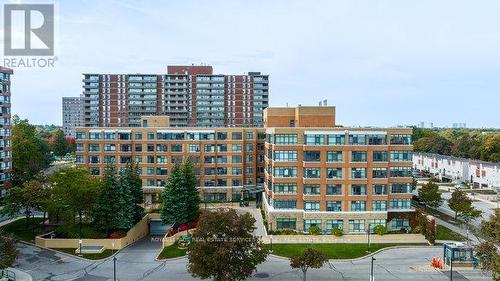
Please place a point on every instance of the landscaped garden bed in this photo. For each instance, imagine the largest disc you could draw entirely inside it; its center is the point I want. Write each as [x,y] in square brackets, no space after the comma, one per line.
[172,251]
[96,256]
[26,232]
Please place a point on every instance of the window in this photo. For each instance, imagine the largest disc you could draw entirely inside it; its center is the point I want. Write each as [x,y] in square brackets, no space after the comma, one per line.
[236,171]
[109,147]
[236,136]
[285,188]
[401,139]
[151,136]
[400,203]
[138,136]
[80,135]
[222,148]
[378,139]
[400,187]
[358,156]
[94,136]
[334,156]
[312,173]
[286,223]
[357,139]
[336,139]
[285,139]
[309,223]
[401,156]
[334,173]
[285,172]
[334,206]
[397,224]
[358,206]
[311,189]
[358,173]
[161,148]
[285,155]
[311,206]
[236,159]
[379,189]
[249,136]
[358,189]
[312,156]
[176,148]
[379,205]
[331,224]
[334,189]
[93,147]
[221,135]
[194,148]
[380,156]
[379,173]
[373,223]
[357,226]
[236,148]
[151,148]
[285,203]
[401,172]
[161,159]
[314,139]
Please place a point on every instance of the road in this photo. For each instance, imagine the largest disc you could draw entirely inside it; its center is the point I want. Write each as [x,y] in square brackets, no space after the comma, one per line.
[137,263]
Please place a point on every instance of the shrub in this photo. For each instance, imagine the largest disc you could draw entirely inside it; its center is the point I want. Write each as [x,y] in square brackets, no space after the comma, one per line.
[314,230]
[285,231]
[117,234]
[73,231]
[380,229]
[337,232]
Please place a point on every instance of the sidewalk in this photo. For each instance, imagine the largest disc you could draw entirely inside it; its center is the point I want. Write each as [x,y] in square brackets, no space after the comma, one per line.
[348,239]
[457,229]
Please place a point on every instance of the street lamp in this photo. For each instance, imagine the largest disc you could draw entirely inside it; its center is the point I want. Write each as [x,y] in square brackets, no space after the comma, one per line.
[271,240]
[80,247]
[369,226]
[114,261]
[372,278]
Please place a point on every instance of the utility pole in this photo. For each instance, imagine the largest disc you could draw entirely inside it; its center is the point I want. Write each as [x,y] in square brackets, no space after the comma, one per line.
[369,225]
[372,278]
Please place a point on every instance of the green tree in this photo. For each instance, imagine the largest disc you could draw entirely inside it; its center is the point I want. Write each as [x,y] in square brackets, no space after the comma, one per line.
[192,193]
[429,194]
[175,202]
[8,252]
[310,258]
[111,212]
[135,187]
[460,203]
[76,190]
[224,248]
[487,251]
[29,154]
[60,146]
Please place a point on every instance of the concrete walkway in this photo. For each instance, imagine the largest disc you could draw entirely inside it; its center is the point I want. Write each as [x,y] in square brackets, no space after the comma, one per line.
[348,239]
[457,229]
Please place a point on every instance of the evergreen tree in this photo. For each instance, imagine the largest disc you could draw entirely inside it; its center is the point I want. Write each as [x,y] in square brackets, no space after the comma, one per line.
[429,194]
[175,205]
[128,204]
[110,211]
[135,185]
[192,193]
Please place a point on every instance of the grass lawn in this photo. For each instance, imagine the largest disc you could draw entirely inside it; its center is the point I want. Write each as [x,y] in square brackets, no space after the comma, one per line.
[20,231]
[332,251]
[442,216]
[171,252]
[444,233]
[106,253]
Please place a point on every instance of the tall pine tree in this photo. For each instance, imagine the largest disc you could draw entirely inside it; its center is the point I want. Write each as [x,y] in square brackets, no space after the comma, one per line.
[135,187]
[128,205]
[174,200]
[192,193]
[111,211]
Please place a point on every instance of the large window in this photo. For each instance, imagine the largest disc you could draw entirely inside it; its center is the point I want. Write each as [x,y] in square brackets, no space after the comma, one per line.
[286,223]
[357,139]
[379,205]
[331,224]
[311,189]
[194,148]
[236,147]
[334,156]
[309,223]
[397,224]
[311,206]
[380,156]
[236,159]
[373,223]
[401,172]
[358,173]
[312,173]
[285,188]
[334,173]
[285,155]
[336,139]
[379,189]
[312,156]
[400,187]
[379,173]
[358,189]
[285,172]
[401,156]
[377,139]
[334,189]
[285,203]
[356,226]
[400,203]
[401,139]
[358,206]
[334,206]
[314,139]
[285,139]
[358,156]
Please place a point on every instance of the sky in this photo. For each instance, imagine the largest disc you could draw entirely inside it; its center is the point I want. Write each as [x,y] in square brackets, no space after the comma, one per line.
[381,63]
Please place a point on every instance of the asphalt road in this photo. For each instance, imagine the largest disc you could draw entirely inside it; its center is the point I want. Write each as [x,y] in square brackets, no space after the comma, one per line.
[137,263]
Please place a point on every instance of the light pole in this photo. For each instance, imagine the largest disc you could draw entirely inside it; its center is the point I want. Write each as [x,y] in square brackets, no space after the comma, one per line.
[369,225]
[372,278]
[114,261]
[80,248]
[271,240]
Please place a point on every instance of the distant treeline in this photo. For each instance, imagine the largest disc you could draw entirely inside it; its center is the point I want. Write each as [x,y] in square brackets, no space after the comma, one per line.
[467,143]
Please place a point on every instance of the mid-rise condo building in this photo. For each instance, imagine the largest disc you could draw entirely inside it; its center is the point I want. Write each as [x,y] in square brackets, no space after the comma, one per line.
[72,115]
[5,129]
[309,171]
[192,96]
